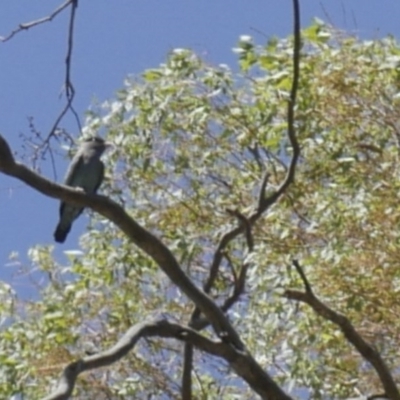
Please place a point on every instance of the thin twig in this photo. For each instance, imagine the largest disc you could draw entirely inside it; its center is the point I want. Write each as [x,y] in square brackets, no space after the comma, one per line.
[28,25]
[256,155]
[44,147]
[303,277]
[231,267]
[243,221]
[68,86]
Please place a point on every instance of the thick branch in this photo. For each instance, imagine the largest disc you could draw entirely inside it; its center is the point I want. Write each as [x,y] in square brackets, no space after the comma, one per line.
[246,367]
[367,351]
[241,362]
[145,240]
[187,372]
[124,345]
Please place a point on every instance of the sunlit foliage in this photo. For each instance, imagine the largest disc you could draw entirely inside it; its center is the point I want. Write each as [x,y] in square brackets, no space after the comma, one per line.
[193,141]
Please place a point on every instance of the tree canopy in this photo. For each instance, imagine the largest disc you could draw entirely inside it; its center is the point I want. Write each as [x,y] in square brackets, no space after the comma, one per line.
[198,148]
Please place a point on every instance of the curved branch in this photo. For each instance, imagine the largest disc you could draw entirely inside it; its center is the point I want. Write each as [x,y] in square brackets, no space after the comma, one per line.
[234,350]
[367,351]
[241,362]
[145,240]
[105,358]
[263,202]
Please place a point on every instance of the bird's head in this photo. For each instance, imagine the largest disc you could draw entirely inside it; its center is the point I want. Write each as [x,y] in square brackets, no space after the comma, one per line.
[97,144]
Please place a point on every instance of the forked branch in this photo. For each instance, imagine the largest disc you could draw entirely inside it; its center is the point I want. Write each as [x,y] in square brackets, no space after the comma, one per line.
[161,328]
[236,354]
[264,203]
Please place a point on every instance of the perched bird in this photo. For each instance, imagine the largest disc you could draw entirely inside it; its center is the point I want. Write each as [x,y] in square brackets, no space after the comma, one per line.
[86,171]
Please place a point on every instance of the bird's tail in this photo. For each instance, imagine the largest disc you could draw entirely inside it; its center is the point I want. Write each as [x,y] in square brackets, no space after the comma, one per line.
[61,232]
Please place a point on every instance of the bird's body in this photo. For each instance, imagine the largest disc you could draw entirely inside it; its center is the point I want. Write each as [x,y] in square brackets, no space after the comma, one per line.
[86,171]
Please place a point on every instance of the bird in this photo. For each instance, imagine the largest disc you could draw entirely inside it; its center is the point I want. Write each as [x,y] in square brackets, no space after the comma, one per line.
[86,171]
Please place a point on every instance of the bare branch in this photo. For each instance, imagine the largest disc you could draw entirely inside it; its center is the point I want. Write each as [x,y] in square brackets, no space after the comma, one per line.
[377,397]
[303,277]
[254,151]
[187,372]
[261,196]
[28,25]
[239,288]
[201,323]
[68,86]
[145,240]
[367,351]
[6,157]
[290,116]
[44,147]
[218,256]
[244,222]
[241,362]
[124,345]
[234,350]
[263,202]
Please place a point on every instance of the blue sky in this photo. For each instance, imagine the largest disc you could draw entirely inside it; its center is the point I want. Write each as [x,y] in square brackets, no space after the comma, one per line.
[114,39]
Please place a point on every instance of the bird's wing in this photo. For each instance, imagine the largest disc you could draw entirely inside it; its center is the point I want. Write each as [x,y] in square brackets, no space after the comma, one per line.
[101,177]
[73,169]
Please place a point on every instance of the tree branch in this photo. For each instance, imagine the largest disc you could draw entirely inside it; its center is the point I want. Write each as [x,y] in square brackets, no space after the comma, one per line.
[234,350]
[367,351]
[31,24]
[240,362]
[160,328]
[42,148]
[263,202]
[187,372]
[68,86]
[145,240]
